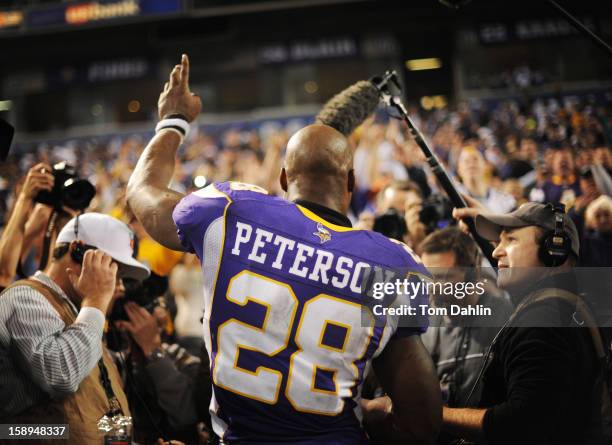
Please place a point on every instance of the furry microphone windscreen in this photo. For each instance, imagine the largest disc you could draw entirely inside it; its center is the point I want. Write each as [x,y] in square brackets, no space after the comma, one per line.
[349,108]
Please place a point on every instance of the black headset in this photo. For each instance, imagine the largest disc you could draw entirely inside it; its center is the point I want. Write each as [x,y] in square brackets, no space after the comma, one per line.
[555,246]
[78,251]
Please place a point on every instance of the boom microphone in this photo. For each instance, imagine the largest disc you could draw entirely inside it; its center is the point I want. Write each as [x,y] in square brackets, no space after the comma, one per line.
[382,86]
[349,108]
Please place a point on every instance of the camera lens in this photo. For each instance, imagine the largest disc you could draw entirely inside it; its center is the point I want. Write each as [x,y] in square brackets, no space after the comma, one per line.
[77,194]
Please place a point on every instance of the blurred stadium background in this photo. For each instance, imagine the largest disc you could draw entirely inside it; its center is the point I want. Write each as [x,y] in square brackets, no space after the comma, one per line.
[80,80]
[74,64]
[516,103]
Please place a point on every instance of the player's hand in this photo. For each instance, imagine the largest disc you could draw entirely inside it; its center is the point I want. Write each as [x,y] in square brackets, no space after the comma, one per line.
[96,284]
[39,178]
[380,406]
[378,414]
[176,97]
[142,327]
[172,442]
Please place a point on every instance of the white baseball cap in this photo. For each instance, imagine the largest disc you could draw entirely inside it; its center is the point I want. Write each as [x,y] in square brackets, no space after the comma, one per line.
[109,235]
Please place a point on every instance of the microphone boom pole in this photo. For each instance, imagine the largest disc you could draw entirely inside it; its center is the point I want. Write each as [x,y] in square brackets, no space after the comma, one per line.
[382,85]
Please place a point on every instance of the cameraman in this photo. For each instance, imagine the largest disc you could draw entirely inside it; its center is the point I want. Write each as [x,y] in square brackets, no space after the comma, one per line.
[159,375]
[38,178]
[398,216]
[542,383]
[53,365]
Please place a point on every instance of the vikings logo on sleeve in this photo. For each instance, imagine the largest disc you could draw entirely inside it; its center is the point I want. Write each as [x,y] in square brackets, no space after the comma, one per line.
[283,321]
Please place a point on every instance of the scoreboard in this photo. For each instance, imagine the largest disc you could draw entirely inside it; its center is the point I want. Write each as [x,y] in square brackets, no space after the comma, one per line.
[84,12]
[33,15]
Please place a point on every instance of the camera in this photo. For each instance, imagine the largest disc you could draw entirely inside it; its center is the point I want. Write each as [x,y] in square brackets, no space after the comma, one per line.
[68,190]
[147,294]
[436,213]
[392,224]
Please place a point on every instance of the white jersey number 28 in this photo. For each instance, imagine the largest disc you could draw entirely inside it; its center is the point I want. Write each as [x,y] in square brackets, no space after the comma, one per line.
[318,315]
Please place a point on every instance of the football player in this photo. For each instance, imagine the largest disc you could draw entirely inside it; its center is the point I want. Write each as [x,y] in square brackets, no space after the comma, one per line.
[283,321]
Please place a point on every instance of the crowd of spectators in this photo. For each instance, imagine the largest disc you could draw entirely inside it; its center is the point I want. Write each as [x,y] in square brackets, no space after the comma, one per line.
[502,156]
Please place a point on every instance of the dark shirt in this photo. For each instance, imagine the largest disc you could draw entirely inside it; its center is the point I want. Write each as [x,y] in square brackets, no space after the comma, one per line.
[596,249]
[161,394]
[595,246]
[539,386]
[457,351]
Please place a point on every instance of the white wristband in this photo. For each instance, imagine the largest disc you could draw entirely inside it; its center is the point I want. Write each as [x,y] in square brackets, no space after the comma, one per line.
[180,126]
[174,130]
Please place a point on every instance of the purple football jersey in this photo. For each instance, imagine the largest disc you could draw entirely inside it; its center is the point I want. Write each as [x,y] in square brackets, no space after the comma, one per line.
[282,315]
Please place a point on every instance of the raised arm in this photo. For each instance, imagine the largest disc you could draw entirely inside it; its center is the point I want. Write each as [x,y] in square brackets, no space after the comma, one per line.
[12,239]
[148,192]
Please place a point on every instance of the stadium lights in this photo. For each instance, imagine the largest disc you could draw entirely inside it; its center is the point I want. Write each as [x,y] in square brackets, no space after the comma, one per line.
[430,102]
[431,63]
[311,87]
[134,106]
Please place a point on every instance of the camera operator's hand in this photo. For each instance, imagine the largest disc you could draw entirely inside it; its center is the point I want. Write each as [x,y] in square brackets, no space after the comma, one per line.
[176,97]
[39,178]
[472,211]
[96,284]
[142,327]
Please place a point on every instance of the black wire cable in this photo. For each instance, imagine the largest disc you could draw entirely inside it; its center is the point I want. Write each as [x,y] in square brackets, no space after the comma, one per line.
[130,380]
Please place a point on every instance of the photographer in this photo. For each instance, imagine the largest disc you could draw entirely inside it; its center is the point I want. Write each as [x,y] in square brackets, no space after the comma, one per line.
[49,197]
[53,365]
[457,344]
[404,215]
[159,375]
[12,239]
[399,208]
